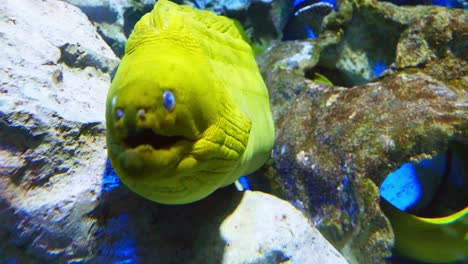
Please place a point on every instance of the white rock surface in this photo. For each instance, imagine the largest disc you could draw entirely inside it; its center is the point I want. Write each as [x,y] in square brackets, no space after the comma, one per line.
[52,147]
[33,76]
[266,229]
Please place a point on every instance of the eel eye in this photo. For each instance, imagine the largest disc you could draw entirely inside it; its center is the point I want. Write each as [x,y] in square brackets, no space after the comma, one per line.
[168,100]
[119,113]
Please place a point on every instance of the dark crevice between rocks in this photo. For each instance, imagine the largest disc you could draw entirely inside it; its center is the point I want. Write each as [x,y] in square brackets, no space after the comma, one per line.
[100,13]
[74,55]
[459,46]
[18,139]
[133,14]
[262,26]
[92,128]
[334,75]
[366,49]
[117,46]
[131,17]
[272,257]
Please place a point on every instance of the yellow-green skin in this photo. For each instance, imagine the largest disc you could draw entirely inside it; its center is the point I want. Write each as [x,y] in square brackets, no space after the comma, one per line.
[432,240]
[221,110]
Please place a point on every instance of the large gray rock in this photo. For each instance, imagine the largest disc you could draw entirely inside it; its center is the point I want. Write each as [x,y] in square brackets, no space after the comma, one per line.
[51,129]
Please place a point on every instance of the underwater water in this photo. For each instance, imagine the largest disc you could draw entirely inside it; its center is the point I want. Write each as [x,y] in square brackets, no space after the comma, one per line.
[293,131]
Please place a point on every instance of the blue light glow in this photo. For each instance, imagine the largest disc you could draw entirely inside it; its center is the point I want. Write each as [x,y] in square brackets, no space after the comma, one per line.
[402,188]
[448,3]
[412,187]
[244,182]
[11,261]
[120,244]
[378,68]
[310,33]
[297,3]
[110,180]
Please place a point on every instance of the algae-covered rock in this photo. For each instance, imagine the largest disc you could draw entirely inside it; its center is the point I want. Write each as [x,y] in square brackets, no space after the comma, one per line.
[335,145]
[365,34]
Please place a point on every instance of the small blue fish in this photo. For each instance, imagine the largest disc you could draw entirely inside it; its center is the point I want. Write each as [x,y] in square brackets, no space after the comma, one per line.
[303,5]
[306,21]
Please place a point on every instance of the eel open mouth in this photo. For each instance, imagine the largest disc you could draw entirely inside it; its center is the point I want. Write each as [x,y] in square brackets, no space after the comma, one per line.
[146,136]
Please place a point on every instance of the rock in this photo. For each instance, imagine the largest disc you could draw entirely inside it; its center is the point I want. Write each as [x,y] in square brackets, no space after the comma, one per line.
[335,145]
[263,20]
[226,227]
[52,146]
[265,229]
[365,34]
[108,18]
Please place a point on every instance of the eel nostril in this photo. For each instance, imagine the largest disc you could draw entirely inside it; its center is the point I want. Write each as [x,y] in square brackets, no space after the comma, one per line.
[141,114]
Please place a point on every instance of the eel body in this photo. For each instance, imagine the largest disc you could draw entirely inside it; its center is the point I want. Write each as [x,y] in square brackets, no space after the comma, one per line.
[187,111]
[432,240]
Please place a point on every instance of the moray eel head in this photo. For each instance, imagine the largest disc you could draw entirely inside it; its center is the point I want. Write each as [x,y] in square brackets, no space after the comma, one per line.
[169,127]
[187,111]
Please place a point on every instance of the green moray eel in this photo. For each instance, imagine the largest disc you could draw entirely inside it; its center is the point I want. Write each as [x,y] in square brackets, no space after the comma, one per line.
[187,111]
[432,240]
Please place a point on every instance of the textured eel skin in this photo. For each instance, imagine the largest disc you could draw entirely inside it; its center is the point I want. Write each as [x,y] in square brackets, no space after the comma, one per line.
[218,125]
[432,240]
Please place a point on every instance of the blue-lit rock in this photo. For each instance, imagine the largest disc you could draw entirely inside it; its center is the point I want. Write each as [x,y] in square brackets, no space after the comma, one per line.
[412,187]
[402,187]
[433,187]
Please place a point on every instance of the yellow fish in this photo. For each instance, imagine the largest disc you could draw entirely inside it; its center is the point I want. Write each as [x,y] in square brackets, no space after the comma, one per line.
[187,111]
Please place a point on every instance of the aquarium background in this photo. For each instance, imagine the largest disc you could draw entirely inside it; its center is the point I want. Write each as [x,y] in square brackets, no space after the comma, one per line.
[369,100]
